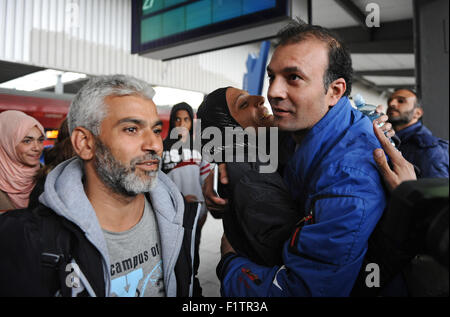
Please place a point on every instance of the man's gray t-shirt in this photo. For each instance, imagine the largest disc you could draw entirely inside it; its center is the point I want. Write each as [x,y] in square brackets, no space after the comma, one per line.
[135,255]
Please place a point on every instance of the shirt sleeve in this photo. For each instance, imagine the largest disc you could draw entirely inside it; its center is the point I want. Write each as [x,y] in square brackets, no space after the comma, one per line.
[205,169]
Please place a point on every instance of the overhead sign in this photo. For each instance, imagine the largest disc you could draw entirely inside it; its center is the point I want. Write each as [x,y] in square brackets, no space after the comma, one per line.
[166,29]
[256,69]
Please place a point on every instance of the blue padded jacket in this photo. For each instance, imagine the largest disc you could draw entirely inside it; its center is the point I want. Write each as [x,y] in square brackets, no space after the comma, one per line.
[428,152]
[333,178]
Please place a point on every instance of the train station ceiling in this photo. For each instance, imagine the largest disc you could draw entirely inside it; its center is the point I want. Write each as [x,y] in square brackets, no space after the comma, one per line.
[383,57]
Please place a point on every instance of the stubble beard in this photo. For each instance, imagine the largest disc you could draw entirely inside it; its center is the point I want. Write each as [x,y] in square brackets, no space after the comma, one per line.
[402,119]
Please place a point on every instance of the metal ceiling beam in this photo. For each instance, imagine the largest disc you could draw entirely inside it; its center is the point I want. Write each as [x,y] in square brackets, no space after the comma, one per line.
[388,72]
[390,38]
[10,71]
[382,47]
[379,88]
[367,83]
[70,88]
[397,86]
[352,9]
[37,93]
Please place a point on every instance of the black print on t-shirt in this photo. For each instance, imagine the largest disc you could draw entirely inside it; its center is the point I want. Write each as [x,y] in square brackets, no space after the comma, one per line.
[133,262]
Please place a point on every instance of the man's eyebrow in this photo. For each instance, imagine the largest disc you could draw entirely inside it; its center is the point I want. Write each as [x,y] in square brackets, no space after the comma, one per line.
[289,69]
[131,120]
[397,97]
[159,122]
[295,69]
[138,122]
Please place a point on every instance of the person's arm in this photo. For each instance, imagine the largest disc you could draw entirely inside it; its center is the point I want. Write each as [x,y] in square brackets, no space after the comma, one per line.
[225,246]
[212,201]
[401,170]
[321,258]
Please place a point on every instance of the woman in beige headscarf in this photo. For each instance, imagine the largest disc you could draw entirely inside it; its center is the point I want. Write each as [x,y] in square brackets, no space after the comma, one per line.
[21,145]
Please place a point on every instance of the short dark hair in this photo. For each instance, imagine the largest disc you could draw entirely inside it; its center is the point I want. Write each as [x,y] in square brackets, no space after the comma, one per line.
[417,103]
[339,58]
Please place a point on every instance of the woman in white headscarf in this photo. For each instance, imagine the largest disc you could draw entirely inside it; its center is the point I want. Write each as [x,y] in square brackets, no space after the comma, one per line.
[21,145]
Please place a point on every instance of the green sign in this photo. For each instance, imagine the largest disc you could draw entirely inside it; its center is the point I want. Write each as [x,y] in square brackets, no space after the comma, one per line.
[163,23]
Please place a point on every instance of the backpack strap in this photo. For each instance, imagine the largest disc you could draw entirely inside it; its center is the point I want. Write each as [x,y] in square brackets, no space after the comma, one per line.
[55,252]
[183,268]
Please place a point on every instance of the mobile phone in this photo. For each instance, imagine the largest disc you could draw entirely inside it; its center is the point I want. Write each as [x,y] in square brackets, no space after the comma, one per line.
[216,180]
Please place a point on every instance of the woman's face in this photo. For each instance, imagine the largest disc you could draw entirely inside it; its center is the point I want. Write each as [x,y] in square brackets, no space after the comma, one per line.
[183,120]
[248,110]
[29,150]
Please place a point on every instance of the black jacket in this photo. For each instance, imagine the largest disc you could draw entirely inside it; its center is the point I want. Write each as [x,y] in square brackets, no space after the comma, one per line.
[37,247]
[261,215]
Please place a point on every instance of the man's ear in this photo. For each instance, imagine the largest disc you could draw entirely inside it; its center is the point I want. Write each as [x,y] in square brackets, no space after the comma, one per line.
[83,142]
[335,91]
[418,113]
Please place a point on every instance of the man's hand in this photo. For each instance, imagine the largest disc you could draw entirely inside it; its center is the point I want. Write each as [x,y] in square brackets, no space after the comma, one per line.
[191,198]
[381,109]
[386,127]
[225,246]
[212,201]
[402,170]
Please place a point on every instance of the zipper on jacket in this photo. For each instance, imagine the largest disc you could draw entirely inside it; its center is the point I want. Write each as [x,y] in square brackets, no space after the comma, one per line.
[312,205]
[312,214]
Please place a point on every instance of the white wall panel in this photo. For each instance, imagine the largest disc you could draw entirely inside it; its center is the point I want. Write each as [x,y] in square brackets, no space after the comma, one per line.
[2,27]
[94,37]
[18,27]
[9,26]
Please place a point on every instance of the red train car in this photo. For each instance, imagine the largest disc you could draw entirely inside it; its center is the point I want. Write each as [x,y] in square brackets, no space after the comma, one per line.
[50,109]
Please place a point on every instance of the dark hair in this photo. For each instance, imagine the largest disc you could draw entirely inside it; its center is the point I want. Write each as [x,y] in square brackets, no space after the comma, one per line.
[173,113]
[61,151]
[417,103]
[339,58]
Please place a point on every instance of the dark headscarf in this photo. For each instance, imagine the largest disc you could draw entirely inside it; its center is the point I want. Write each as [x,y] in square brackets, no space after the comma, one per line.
[214,111]
[261,215]
[168,142]
[175,109]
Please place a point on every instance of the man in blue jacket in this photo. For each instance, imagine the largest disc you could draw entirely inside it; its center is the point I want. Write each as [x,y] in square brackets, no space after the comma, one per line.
[331,174]
[418,145]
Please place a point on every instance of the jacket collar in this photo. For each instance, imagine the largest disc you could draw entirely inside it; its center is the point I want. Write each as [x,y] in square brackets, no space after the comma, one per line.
[320,140]
[407,132]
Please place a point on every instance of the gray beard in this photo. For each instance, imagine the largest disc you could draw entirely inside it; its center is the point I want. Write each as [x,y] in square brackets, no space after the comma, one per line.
[120,178]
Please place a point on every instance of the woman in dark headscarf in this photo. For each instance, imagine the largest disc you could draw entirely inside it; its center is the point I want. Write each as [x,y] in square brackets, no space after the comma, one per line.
[261,214]
[183,163]
[181,116]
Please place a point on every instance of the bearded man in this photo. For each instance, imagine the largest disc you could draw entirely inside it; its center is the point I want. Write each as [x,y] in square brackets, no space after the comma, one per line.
[418,145]
[109,223]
